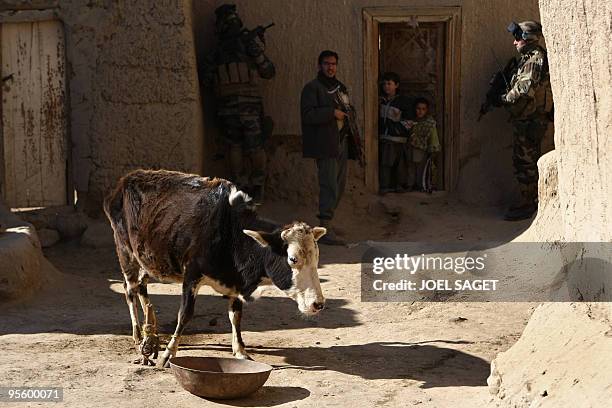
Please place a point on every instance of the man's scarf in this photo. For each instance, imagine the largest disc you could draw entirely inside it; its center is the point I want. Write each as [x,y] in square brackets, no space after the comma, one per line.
[338,91]
[330,83]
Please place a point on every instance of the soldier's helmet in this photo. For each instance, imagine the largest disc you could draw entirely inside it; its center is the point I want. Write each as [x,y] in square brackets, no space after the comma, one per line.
[526,30]
[228,23]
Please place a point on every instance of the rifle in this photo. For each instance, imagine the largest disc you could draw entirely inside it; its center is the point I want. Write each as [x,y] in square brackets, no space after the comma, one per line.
[250,35]
[236,44]
[351,117]
[498,85]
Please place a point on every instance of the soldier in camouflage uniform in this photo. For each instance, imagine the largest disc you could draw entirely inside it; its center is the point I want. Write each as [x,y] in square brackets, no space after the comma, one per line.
[234,69]
[529,101]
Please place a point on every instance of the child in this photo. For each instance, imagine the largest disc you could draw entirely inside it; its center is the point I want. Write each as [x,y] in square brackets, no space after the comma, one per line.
[423,142]
[393,136]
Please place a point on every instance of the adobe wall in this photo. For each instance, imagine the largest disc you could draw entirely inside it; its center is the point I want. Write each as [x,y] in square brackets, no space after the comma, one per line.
[562,358]
[133,88]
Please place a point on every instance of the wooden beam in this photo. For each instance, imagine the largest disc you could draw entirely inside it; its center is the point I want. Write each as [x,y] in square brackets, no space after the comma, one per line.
[2,164]
[27,16]
[370,106]
[382,13]
[28,5]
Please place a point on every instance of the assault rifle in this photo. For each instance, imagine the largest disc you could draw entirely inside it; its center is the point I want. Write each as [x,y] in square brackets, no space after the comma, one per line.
[352,122]
[498,85]
[250,35]
[351,118]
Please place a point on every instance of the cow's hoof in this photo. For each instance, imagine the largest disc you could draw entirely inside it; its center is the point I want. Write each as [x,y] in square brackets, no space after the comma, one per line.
[242,356]
[164,362]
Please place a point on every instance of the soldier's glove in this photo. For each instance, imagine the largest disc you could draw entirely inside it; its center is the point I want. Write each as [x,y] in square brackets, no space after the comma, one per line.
[254,49]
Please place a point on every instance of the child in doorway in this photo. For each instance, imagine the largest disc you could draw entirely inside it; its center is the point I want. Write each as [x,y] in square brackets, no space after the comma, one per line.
[423,142]
[393,133]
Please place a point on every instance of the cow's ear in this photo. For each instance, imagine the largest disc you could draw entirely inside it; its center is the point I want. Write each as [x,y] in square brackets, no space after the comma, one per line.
[318,232]
[257,236]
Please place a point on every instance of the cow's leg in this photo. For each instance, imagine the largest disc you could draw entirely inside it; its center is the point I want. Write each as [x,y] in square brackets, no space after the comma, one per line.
[149,347]
[190,290]
[145,302]
[235,315]
[130,269]
[130,298]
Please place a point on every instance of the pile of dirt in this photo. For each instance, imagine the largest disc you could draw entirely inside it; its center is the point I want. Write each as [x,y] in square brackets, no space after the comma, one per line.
[559,361]
[23,268]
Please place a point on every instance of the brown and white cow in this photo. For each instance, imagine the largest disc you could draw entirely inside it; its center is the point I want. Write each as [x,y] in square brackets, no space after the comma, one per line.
[184,228]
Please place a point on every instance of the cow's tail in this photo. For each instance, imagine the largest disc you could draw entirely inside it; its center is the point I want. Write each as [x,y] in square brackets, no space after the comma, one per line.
[113,204]
[118,206]
[239,200]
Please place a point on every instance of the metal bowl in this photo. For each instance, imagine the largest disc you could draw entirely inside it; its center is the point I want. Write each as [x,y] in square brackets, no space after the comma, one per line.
[219,378]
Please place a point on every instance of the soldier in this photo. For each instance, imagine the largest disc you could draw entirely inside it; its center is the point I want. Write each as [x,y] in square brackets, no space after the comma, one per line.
[234,67]
[529,102]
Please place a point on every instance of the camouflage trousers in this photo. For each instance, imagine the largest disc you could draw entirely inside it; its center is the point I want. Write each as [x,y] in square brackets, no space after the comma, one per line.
[256,177]
[241,123]
[526,150]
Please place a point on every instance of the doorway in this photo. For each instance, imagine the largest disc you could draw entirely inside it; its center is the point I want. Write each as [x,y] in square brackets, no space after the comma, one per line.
[422,45]
[33,131]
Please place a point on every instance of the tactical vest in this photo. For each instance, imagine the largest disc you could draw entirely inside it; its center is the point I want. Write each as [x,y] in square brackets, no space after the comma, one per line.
[236,78]
[234,74]
[541,104]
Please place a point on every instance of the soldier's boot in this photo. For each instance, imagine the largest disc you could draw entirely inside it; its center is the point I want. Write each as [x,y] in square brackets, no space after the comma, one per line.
[257,192]
[527,206]
[236,166]
[525,191]
[330,237]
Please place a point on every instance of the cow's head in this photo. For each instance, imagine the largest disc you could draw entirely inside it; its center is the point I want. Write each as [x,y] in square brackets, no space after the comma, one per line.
[297,245]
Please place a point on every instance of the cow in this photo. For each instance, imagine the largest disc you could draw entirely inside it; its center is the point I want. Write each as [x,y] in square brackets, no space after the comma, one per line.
[193,230]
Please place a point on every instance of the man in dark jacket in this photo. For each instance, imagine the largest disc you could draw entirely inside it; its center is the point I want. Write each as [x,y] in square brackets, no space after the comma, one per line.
[327,138]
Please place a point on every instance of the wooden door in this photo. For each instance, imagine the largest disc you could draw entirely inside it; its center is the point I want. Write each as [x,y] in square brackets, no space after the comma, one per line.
[417,53]
[33,114]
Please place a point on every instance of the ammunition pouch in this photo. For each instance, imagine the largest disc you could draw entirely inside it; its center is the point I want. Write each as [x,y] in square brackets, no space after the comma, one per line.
[522,108]
[541,104]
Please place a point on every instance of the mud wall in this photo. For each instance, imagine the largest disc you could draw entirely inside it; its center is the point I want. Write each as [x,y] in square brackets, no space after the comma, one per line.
[558,361]
[581,78]
[303,29]
[133,88]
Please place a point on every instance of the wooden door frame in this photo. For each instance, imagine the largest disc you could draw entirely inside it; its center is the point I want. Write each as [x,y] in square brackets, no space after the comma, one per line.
[23,14]
[372,18]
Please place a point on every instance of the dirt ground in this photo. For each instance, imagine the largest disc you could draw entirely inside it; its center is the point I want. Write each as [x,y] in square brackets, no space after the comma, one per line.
[76,333]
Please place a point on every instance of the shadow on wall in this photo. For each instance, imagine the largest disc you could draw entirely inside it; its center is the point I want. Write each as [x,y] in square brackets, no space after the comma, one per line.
[293,179]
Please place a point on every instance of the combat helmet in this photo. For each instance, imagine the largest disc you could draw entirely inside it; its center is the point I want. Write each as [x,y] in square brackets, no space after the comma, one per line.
[228,22]
[526,30]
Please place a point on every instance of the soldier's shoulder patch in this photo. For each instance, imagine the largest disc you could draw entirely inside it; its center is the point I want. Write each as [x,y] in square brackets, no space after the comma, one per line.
[538,53]
[537,58]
